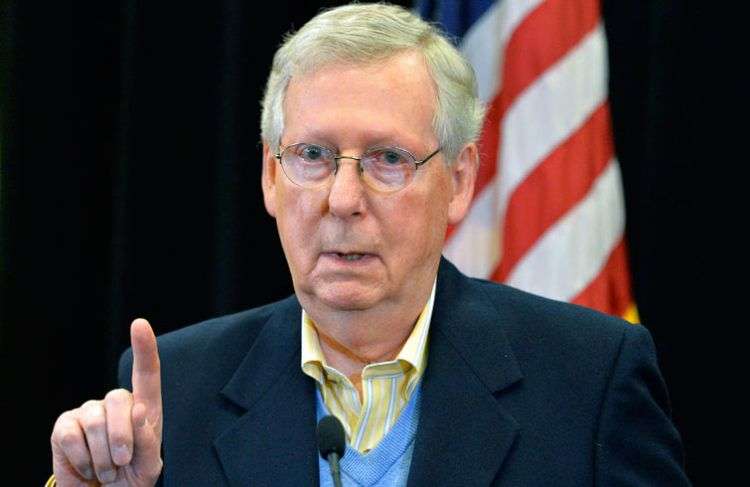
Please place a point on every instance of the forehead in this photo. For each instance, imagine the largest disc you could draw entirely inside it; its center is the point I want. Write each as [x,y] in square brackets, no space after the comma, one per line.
[389,99]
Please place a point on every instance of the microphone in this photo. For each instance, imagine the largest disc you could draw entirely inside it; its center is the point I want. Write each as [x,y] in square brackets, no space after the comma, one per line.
[332,445]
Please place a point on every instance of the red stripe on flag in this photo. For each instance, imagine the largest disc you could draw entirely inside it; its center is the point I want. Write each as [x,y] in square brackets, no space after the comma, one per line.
[610,292]
[548,33]
[554,186]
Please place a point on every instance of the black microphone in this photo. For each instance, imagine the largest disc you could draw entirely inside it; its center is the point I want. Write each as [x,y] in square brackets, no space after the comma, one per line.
[332,445]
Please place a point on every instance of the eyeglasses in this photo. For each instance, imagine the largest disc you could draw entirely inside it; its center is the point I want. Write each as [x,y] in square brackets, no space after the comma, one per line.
[384,169]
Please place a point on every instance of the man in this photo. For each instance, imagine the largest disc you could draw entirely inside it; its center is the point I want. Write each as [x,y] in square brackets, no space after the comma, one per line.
[369,126]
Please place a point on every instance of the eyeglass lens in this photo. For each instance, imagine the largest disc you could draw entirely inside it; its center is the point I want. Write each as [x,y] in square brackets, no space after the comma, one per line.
[383,169]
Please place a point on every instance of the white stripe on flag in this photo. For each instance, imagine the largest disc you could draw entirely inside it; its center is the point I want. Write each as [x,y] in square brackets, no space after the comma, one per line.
[573,251]
[484,43]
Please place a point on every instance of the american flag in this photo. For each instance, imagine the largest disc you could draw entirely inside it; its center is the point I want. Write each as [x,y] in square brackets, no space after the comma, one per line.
[548,214]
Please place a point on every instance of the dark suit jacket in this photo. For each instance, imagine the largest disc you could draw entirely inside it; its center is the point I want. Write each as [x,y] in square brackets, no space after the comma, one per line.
[518,390]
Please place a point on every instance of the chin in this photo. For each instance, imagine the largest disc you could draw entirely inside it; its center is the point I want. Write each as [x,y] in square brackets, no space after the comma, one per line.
[347,296]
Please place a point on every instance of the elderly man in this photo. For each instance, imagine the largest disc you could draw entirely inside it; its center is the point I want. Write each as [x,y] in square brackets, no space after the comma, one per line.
[369,126]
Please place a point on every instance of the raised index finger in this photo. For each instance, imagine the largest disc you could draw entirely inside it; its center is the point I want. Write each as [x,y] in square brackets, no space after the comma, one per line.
[146,369]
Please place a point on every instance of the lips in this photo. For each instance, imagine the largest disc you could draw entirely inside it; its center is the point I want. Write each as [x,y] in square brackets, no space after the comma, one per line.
[348,256]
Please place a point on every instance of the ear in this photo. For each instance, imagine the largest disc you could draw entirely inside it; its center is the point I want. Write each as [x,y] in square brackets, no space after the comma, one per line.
[464,173]
[268,179]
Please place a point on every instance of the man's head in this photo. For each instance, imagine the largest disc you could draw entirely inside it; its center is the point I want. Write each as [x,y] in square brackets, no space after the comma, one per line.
[354,79]
[369,34]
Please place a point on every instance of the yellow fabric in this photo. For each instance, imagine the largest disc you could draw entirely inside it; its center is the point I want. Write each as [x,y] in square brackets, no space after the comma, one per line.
[386,386]
[631,314]
[51,482]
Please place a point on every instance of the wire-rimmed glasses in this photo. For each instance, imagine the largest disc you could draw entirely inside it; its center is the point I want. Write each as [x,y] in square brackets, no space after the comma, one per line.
[384,169]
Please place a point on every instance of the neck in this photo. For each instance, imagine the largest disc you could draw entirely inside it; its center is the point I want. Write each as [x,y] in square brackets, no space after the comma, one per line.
[350,340]
[355,339]
[349,348]
[358,355]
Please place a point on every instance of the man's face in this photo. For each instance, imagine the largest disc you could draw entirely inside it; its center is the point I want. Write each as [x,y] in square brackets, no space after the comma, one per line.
[348,246]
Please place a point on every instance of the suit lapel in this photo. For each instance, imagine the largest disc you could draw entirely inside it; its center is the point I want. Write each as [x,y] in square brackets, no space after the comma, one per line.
[272,440]
[463,435]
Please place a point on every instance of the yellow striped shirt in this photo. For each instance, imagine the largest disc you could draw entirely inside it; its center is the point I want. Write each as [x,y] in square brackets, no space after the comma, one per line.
[386,386]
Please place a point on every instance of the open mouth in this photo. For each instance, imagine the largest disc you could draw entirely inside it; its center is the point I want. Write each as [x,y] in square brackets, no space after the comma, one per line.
[350,257]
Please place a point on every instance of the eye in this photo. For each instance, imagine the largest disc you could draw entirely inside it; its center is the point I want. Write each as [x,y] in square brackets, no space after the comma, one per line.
[389,156]
[392,157]
[313,152]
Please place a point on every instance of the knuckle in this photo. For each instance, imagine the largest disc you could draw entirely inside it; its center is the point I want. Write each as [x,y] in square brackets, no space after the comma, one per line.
[91,409]
[117,395]
[62,426]
[90,406]
[69,440]
[66,418]
[93,423]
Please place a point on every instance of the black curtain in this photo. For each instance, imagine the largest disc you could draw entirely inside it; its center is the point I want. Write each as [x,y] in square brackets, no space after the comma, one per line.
[129,187]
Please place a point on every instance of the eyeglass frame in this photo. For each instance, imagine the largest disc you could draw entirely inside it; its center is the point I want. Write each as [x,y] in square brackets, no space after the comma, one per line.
[337,157]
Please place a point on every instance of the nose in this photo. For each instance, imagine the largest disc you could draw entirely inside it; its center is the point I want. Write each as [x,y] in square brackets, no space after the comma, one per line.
[346,196]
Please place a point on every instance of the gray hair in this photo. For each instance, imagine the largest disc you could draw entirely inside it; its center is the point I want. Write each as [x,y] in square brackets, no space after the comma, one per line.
[368,33]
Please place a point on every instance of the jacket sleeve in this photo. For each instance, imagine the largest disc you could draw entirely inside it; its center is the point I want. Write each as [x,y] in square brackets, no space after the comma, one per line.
[636,441]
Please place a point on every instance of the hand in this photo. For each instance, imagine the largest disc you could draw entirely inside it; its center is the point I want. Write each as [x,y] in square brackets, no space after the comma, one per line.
[115,441]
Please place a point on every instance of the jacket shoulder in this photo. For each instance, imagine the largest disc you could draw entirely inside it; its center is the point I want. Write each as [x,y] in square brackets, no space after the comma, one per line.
[543,319]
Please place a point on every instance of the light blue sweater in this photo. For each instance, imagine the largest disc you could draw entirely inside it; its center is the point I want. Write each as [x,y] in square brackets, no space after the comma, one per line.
[386,465]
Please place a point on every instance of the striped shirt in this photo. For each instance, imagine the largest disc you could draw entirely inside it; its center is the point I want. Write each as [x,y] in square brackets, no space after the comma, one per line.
[386,386]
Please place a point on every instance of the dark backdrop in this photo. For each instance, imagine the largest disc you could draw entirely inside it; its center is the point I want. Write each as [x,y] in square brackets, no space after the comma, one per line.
[130,187]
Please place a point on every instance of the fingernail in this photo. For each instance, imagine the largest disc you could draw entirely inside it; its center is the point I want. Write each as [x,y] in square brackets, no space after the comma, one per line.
[87,473]
[121,455]
[107,476]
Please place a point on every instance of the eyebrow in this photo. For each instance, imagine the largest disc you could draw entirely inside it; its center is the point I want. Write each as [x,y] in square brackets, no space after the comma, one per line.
[372,140]
[379,144]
